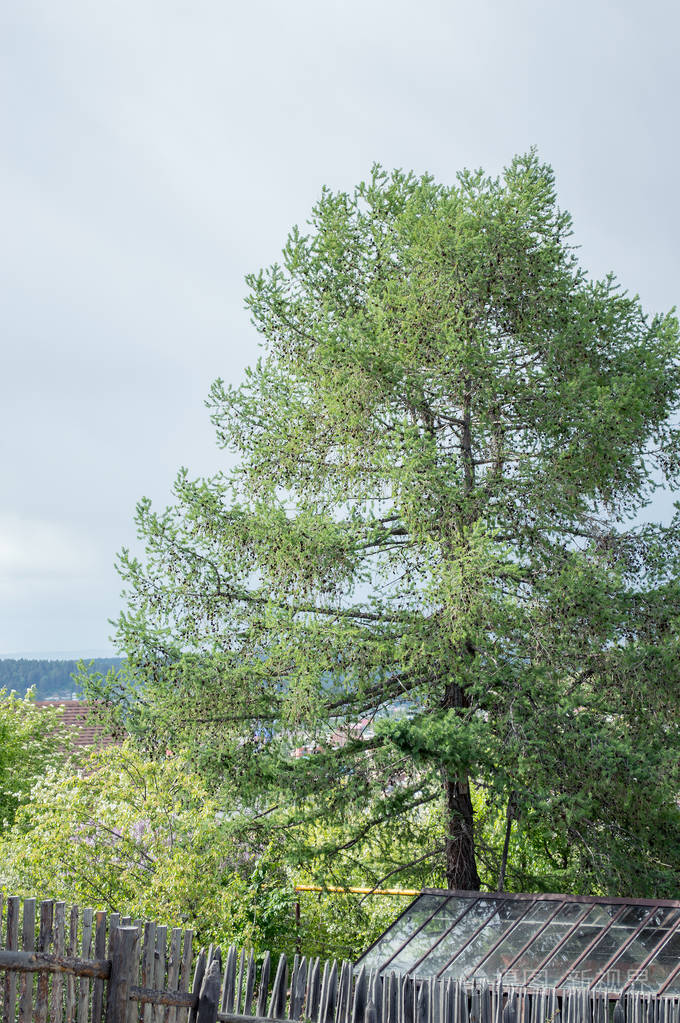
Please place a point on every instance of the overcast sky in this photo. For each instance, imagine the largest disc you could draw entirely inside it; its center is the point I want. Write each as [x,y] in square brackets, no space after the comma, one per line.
[152,153]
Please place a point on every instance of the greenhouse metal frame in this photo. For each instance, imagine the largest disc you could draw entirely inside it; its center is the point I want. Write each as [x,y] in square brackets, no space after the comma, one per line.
[598,944]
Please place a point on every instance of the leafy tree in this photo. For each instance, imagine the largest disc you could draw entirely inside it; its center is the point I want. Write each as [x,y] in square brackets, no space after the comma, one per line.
[144,837]
[31,741]
[423,571]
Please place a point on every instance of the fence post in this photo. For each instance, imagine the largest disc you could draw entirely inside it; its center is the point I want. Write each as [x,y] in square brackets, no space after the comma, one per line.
[123,942]
[209,998]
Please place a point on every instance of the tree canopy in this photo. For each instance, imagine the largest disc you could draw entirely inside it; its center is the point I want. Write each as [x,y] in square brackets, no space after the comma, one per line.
[32,741]
[142,837]
[424,575]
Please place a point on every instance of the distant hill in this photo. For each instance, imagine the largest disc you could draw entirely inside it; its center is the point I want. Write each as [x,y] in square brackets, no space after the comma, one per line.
[51,678]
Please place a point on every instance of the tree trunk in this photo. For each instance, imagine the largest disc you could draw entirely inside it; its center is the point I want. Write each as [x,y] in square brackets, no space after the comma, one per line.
[461,864]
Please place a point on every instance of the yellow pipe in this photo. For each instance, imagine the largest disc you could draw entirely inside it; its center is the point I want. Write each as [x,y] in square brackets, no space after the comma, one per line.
[357,891]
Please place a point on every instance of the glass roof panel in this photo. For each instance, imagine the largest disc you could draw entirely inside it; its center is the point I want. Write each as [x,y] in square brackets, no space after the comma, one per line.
[587,969]
[575,945]
[451,944]
[544,943]
[631,958]
[538,940]
[662,965]
[517,938]
[425,938]
[507,913]
[401,930]
[674,986]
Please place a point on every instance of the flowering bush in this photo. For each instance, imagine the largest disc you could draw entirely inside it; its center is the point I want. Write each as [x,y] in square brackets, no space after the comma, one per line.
[145,838]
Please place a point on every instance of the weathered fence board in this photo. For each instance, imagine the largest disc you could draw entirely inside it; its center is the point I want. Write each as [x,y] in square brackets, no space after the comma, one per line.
[148,971]
[174,964]
[264,986]
[185,969]
[227,1003]
[28,945]
[199,973]
[44,943]
[100,953]
[121,949]
[209,999]
[250,985]
[239,983]
[57,993]
[70,1006]
[159,972]
[13,907]
[49,963]
[85,951]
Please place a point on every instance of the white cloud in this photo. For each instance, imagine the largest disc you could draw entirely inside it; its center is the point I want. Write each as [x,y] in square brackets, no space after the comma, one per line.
[37,552]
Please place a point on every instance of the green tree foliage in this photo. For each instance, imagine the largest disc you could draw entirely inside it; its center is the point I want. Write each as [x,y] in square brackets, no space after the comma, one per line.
[31,742]
[423,571]
[145,838]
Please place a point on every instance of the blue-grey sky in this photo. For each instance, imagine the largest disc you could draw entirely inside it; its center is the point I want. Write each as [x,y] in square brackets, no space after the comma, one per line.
[152,153]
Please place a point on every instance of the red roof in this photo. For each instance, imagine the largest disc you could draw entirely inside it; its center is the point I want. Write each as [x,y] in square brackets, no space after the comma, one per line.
[77,718]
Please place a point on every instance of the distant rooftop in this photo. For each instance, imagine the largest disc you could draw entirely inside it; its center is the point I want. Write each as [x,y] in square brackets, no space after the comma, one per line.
[535,941]
[77,719]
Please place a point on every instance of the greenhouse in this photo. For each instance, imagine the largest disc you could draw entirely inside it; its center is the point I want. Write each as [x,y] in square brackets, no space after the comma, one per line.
[535,941]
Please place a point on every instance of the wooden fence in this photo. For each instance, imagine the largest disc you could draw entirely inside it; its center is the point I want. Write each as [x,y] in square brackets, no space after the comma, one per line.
[66,966]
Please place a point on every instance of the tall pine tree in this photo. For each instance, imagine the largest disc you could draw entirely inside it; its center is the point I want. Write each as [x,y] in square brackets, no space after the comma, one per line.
[422,575]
